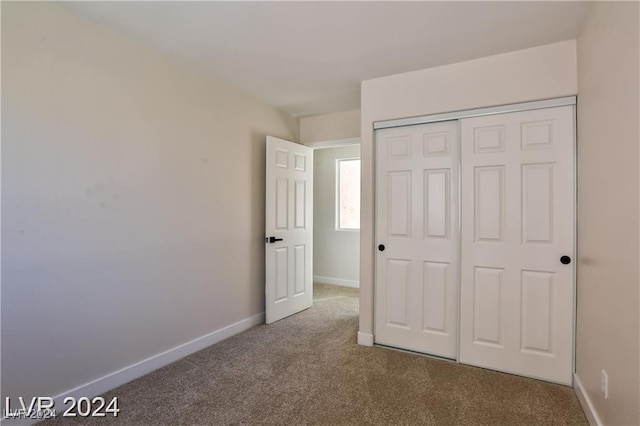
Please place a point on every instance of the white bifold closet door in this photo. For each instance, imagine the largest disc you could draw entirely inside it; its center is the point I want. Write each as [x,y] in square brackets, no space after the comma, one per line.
[516,307]
[417,238]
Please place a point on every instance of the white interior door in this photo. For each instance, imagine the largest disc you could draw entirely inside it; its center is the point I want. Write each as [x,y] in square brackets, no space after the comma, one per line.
[289,228]
[417,223]
[517,222]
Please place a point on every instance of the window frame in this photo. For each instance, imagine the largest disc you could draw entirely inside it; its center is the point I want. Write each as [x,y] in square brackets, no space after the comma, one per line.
[337,223]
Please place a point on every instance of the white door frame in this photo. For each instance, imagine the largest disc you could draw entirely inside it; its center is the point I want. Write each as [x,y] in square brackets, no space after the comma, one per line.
[477,112]
[333,143]
[275,315]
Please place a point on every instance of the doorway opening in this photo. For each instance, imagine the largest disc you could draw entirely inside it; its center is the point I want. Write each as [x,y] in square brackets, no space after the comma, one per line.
[336,221]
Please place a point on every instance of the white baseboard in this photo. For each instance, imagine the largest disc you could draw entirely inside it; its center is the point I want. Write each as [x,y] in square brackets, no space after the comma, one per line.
[110,381]
[365,339]
[585,402]
[336,281]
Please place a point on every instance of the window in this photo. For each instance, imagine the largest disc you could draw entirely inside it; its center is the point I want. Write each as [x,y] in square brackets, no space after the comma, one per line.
[348,193]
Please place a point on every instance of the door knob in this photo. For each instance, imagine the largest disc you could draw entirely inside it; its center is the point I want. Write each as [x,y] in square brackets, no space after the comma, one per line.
[381,247]
[565,260]
[273,240]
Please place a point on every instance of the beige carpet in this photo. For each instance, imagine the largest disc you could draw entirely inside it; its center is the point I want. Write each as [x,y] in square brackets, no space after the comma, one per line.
[308,369]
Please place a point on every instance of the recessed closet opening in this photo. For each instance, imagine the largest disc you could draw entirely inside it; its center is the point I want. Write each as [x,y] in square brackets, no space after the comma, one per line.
[475,236]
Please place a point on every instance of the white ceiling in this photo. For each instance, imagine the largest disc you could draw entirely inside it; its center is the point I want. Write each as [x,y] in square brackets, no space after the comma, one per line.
[309,57]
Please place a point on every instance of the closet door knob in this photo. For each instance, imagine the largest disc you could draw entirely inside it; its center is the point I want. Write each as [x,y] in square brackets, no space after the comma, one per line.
[381,247]
[565,260]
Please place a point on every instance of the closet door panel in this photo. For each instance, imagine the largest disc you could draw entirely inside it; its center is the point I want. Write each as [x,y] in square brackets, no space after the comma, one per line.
[517,222]
[416,289]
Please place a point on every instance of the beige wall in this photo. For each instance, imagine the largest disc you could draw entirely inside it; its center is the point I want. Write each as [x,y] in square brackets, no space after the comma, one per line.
[329,127]
[608,321]
[133,194]
[336,254]
[538,73]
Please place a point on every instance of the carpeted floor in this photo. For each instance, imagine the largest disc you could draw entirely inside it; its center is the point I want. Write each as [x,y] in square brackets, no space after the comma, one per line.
[308,369]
